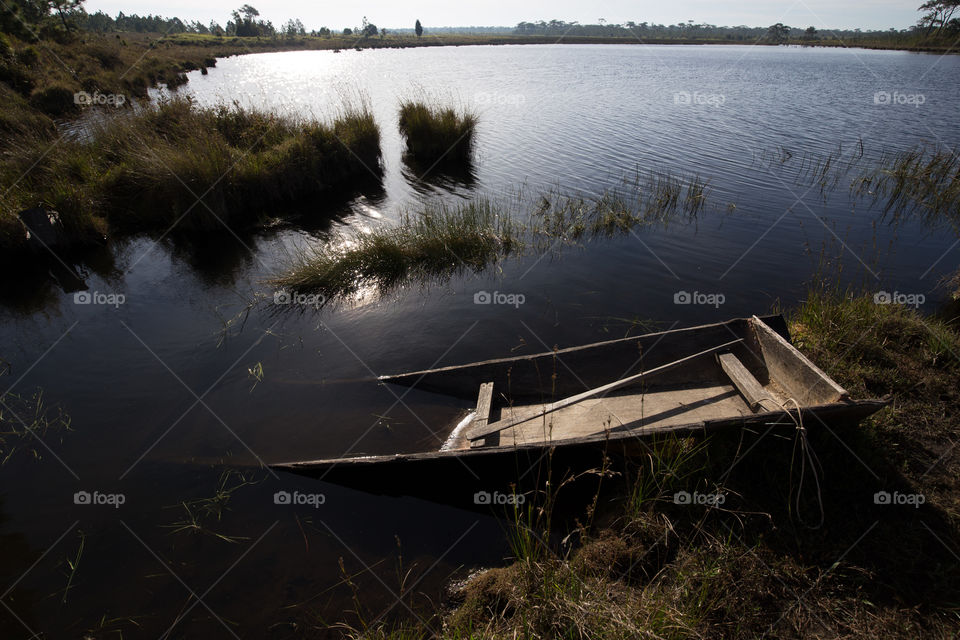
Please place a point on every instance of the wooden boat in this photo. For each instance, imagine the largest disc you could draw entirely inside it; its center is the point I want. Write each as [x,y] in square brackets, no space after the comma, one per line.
[611,396]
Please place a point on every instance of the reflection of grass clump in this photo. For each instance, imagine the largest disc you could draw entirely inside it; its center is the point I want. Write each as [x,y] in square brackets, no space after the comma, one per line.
[437,134]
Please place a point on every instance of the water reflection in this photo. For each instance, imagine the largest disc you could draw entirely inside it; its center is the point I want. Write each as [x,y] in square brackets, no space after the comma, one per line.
[441,177]
[43,278]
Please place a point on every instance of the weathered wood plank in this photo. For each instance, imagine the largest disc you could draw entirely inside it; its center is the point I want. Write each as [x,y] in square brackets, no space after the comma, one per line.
[545,376]
[806,383]
[477,432]
[748,386]
[484,403]
[832,414]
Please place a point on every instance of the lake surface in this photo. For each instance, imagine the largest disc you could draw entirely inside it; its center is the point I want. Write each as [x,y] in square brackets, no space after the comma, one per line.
[163,392]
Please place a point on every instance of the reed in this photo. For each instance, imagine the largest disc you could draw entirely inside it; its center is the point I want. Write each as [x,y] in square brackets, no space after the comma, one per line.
[437,134]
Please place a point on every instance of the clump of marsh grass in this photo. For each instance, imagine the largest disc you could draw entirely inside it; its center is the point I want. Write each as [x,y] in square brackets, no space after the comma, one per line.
[437,134]
[195,168]
[438,242]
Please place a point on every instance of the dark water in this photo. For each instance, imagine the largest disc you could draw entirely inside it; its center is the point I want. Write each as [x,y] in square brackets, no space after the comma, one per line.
[190,326]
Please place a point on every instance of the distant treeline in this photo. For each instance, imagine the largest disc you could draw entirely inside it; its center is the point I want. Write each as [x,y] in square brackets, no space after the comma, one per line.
[29,19]
[692,31]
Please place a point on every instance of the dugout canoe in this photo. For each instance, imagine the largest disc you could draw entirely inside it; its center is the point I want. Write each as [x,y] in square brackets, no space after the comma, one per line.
[612,396]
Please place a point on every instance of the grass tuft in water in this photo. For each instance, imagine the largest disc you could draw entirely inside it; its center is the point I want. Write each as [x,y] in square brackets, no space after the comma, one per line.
[439,242]
[437,134]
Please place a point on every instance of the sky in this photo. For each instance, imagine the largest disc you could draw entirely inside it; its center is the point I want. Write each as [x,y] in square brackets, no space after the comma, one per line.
[841,14]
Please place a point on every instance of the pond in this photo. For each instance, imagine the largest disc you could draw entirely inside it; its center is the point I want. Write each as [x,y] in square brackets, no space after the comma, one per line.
[180,376]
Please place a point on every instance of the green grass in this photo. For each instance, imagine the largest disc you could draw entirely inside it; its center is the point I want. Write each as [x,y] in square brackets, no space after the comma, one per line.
[193,167]
[437,134]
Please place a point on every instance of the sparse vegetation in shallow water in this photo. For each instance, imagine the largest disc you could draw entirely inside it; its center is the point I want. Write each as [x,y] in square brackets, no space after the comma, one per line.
[437,134]
[925,180]
[26,422]
[200,513]
[442,240]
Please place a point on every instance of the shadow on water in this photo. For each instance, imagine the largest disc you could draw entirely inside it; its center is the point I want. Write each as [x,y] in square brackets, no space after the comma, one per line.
[16,558]
[217,256]
[42,278]
[439,177]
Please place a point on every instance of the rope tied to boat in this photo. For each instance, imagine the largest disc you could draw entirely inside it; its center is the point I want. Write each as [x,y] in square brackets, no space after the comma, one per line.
[808,458]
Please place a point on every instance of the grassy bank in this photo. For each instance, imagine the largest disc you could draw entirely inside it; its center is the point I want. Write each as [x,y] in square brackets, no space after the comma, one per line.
[177,163]
[799,547]
[435,134]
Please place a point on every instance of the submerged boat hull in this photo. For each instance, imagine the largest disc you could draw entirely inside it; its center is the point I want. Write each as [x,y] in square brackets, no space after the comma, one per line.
[755,381]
